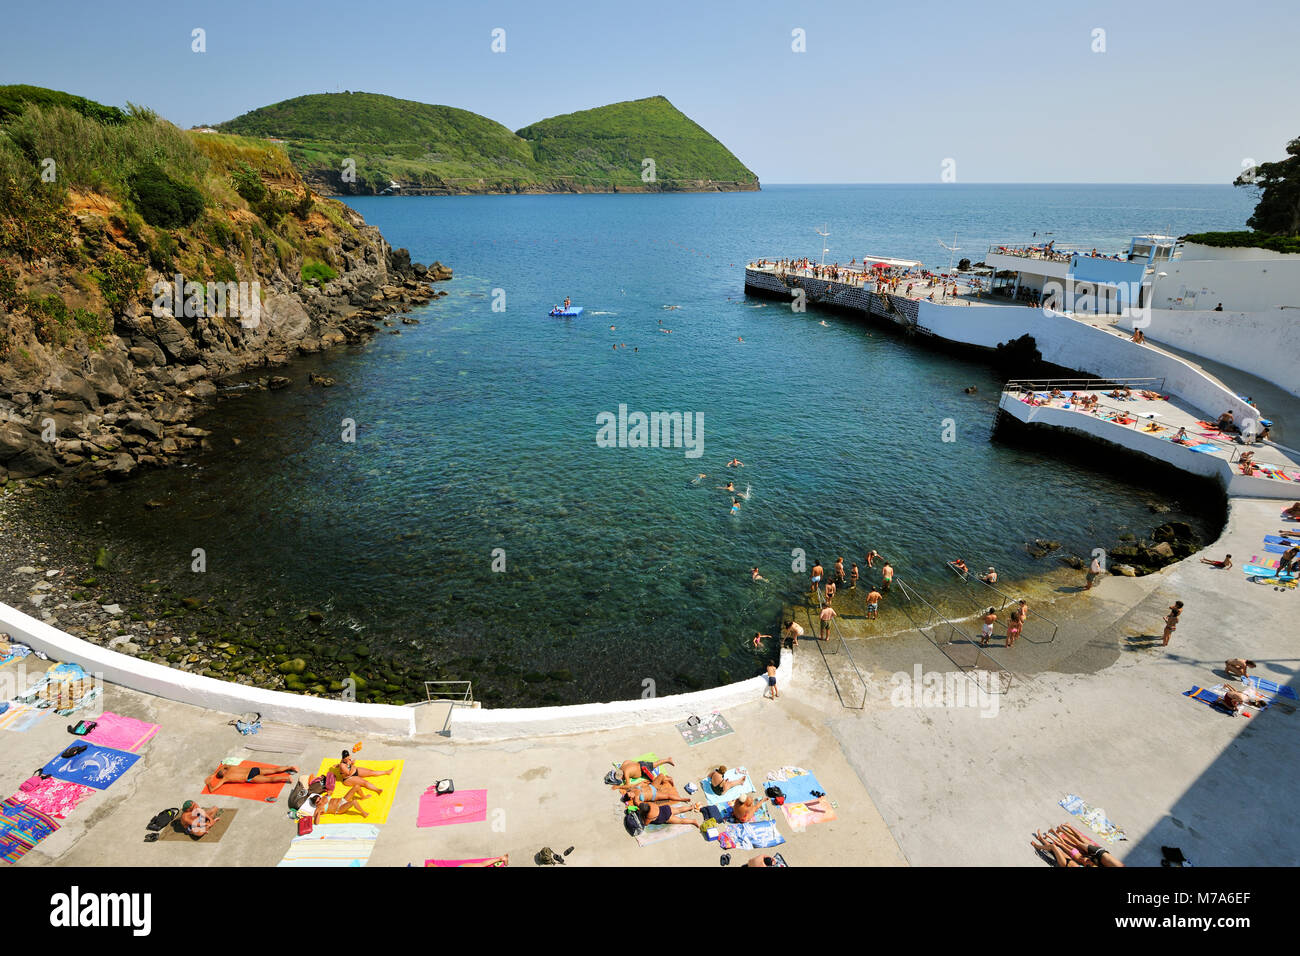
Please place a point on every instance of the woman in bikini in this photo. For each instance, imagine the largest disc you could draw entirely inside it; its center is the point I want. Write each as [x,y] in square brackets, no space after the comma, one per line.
[350,775]
[719,783]
[745,807]
[1171,622]
[318,805]
[658,789]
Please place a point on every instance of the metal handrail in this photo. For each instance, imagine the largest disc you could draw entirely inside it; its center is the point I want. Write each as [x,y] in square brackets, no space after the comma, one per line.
[866,686]
[935,617]
[969,578]
[466,698]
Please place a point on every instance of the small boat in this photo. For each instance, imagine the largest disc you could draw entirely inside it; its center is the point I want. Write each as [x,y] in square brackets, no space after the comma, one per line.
[571,312]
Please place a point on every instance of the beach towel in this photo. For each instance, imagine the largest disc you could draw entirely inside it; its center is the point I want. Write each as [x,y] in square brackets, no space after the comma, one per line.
[54,797]
[175,833]
[1204,448]
[261,792]
[799,788]
[1264,686]
[21,828]
[749,836]
[732,792]
[1275,549]
[659,832]
[711,727]
[727,814]
[802,815]
[16,714]
[338,844]
[377,805]
[471,860]
[278,738]
[16,653]
[463,806]
[1094,817]
[97,767]
[1277,539]
[1259,571]
[121,733]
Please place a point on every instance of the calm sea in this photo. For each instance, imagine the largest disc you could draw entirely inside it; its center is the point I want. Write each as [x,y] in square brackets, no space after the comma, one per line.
[476,437]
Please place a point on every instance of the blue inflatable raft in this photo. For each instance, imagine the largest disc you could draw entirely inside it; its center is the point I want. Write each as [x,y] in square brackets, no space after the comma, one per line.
[570,313]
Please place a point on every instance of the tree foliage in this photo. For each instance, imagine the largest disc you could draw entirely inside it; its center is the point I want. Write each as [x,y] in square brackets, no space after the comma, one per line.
[1278,209]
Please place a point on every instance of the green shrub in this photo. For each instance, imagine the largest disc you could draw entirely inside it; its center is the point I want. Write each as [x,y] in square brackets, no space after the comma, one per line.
[120,280]
[248,184]
[1246,240]
[315,271]
[163,201]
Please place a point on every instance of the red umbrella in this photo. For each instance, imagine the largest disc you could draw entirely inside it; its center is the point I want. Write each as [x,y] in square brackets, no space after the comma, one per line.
[881,265]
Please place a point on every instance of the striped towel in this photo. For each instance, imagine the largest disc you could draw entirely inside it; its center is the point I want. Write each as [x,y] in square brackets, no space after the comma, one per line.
[333,844]
[1264,686]
[21,828]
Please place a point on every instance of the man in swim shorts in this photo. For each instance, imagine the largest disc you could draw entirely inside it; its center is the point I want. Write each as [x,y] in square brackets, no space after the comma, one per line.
[771,681]
[198,820]
[228,774]
[986,629]
[827,615]
[886,577]
[873,605]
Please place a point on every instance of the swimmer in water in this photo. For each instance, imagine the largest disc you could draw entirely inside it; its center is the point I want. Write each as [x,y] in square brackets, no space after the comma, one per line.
[744,494]
[729,486]
[611,328]
[735,463]
[823,322]
[740,338]
[735,505]
[755,576]
[697,480]
[666,331]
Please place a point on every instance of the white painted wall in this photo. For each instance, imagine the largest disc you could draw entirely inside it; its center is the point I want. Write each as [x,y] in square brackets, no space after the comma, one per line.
[1265,344]
[1233,482]
[583,718]
[207,692]
[1080,345]
[1250,280]
[385,719]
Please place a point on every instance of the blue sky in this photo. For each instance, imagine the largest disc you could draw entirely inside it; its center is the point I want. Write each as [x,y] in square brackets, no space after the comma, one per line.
[885,92]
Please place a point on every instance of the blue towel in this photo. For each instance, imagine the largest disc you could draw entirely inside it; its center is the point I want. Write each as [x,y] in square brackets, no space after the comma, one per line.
[1265,686]
[719,800]
[1205,447]
[97,767]
[1278,539]
[1201,694]
[798,789]
[1275,549]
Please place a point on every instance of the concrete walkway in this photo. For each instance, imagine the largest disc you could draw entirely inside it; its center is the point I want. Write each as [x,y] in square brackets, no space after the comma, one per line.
[541,792]
[1107,722]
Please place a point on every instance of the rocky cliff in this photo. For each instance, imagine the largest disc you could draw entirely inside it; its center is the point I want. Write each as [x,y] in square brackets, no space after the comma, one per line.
[114,331]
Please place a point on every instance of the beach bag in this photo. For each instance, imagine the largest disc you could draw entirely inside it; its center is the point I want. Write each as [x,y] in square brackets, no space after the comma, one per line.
[161,819]
[776,795]
[297,796]
[82,727]
[304,826]
[73,751]
[633,823]
[614,777]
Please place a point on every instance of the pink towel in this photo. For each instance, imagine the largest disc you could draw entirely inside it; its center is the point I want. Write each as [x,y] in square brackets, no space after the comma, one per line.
[463,806]
[54,797]
[456,862]
[121,733]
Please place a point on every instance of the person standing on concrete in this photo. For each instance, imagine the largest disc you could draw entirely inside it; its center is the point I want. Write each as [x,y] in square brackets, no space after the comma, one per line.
[986,627]
[827,615]
[853,578]
[873,604]
[771,682]
[1094,571]
[1171,622]
[817,573]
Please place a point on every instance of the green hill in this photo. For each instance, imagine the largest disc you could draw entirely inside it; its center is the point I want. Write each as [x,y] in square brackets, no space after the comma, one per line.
[439,149]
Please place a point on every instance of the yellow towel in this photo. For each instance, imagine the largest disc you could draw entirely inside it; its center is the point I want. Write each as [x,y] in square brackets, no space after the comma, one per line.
[376,804]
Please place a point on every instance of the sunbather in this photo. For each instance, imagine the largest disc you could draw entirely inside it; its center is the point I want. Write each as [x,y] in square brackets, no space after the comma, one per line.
[1224,564]
[1092,853]
[1293,511]
[197,820]
[643,768]
[350,775]
[662,813]
[661,787]
[719,783]
[227,773]
[744,808]
[318,805]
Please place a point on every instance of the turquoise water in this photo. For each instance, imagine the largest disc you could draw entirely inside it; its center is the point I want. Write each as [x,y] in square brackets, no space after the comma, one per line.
[476,431]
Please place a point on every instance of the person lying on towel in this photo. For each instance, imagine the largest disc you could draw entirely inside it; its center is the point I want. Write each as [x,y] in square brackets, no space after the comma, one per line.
[318,804]
[227,774]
